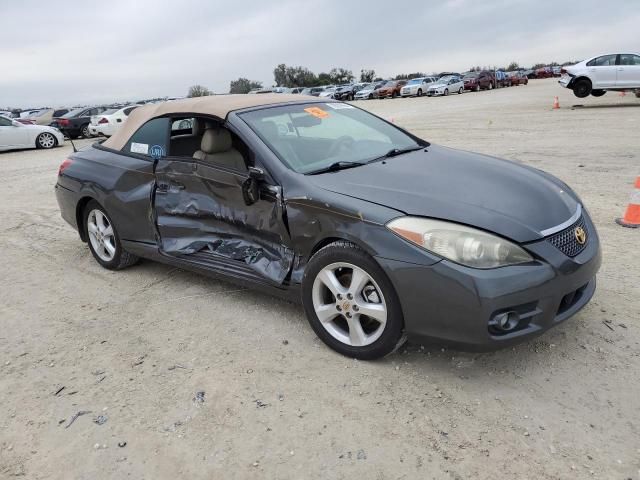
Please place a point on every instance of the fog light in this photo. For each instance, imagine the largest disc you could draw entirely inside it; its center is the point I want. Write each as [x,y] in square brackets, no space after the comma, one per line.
[507,321]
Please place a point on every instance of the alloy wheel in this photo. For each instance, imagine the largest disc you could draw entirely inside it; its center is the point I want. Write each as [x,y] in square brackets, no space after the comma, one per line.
[349,304]
[46,140]
[101,235]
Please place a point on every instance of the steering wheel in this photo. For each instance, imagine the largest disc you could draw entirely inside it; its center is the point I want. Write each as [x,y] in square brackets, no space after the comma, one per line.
[345,141]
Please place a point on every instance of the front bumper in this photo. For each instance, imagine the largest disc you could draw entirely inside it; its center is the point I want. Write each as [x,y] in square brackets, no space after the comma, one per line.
[450,303]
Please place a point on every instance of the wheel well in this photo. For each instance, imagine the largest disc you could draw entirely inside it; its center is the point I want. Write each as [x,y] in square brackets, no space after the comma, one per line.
[326,241]
[80,217]
[579,79]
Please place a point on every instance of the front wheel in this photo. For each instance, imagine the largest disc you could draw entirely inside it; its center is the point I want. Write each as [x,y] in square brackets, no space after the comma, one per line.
[490,86]
[460,90]
[446,92]
[46,140]
[351,304]
[419,92]
[104,241]
[582,88]
[85,131]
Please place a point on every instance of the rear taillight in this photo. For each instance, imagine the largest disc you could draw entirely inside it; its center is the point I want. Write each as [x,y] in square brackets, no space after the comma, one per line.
[63,122]
[63,166]
[103,120]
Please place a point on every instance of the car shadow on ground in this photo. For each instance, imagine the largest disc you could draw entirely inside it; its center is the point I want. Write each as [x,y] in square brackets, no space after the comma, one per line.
[617,105]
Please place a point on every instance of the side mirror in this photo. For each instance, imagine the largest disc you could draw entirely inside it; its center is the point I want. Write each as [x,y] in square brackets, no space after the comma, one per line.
[256,173]
[251,186]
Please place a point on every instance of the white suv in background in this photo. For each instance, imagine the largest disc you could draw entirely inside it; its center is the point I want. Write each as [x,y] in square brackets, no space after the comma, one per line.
[614,71]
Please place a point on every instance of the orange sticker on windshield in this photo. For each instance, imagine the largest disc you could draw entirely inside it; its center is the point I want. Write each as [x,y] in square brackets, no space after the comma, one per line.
[316,112]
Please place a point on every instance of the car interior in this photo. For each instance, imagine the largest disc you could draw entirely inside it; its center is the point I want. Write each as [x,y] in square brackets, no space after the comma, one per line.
[208,141]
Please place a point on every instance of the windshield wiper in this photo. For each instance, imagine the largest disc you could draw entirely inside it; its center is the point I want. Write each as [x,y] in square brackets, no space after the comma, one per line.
[394,152]
[335,166]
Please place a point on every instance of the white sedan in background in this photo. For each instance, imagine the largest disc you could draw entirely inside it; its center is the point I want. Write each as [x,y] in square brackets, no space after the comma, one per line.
[446,85]
[15,135]
[417,86]
[110,120]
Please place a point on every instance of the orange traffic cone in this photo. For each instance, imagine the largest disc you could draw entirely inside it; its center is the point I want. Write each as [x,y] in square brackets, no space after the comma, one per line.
[631,217]
[556,103]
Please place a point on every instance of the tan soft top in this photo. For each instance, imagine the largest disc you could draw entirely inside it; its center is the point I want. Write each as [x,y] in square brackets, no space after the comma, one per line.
[216,105]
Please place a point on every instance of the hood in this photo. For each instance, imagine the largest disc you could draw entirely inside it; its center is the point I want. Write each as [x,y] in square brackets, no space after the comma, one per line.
[512,200]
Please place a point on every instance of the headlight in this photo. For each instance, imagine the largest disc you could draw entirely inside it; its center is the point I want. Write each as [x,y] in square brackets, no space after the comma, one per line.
[459,243]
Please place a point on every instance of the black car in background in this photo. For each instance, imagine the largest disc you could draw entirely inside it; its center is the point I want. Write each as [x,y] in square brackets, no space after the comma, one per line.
[348,92]
[75,123]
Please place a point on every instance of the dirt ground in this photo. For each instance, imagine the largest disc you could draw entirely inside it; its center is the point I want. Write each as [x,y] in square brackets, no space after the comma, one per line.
[136,346]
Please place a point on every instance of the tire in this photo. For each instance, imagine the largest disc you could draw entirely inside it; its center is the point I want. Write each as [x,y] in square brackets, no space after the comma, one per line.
[105,248]
[477,87]
[446,92]
[84,131]
[582,88]
[598,93]
[419,92]
[460,90]
[345,328]
[46,140]
[350,98]
[370,96]
[490,87]
[394,94]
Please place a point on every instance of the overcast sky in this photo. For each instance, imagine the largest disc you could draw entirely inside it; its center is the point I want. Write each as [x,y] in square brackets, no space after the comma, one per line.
[72,52]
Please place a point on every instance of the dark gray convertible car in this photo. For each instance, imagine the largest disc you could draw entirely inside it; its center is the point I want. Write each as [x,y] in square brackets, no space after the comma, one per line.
[380,235]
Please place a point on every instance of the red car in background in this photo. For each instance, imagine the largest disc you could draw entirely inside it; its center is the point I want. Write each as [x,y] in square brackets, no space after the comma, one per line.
[476,81]
[518,78]
[390,89]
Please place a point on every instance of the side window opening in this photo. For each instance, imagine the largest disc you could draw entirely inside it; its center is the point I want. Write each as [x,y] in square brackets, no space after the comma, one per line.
[207,140]
[150,139]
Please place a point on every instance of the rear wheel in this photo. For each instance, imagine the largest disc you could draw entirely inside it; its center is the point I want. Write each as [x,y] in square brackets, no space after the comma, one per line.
[460,90]
[84,130]
[46,140]
[582,88]
[490,86]
[446,91]
[104,241]
[419,92]
[351,304]
[598,93]
[477,87]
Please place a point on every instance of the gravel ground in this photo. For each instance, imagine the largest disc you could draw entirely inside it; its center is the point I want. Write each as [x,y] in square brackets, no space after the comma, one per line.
[137,346]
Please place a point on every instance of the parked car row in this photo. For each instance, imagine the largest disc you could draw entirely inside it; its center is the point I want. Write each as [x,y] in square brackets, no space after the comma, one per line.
[443,84]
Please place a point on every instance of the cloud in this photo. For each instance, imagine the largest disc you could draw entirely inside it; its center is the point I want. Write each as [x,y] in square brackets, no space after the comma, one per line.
[63,53]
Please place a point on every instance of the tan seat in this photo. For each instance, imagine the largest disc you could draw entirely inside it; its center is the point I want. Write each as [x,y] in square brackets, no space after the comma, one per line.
[186,145]
[217,148]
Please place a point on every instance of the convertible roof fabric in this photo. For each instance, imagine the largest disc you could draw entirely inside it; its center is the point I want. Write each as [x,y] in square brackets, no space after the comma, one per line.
[216,105]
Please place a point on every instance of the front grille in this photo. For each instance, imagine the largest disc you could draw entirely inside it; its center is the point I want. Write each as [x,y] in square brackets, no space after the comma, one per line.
[566,240]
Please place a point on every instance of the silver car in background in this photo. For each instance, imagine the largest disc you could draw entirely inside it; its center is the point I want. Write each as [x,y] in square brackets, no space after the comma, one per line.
[446,85]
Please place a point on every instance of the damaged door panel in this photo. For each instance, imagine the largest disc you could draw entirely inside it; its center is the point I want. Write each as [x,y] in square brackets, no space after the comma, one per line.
[202,216]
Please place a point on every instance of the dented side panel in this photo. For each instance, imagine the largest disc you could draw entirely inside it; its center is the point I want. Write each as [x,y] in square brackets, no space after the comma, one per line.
[202,216]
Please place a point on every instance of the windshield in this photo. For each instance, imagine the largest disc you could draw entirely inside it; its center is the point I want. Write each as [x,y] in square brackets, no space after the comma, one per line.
[312,136]
[445,79]
[415,81]
[73,113]
[470,75]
